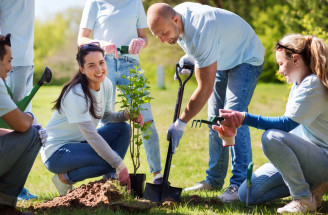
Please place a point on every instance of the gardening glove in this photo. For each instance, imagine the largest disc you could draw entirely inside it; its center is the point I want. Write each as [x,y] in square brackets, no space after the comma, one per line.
[232,119]
[42,133]
[109,48]
[136,45]
[122,175]
[186,59]
[175,133]
[226,134]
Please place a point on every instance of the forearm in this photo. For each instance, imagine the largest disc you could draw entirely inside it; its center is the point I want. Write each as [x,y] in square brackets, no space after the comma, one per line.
[102,148]
[113,117]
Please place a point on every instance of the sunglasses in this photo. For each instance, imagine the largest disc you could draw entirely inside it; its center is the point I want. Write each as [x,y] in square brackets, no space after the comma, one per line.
[89,45]
[279,46]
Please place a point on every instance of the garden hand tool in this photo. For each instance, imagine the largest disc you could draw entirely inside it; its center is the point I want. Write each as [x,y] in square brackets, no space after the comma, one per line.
[161,192]
[249,179]
[185,63]
[213,121]
[123,49]
[22,104]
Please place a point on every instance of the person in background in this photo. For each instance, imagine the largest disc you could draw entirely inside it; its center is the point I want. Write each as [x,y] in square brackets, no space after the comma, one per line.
[76,150]
[296,143]
[20,145]
[228,60]
[115,24]
[17,18]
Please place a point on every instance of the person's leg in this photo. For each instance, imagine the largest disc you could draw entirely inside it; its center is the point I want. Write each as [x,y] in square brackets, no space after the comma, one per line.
[301,163]
[241,84]
[151,145]
[112,74]
[267,185]
[20,81]
[17,154]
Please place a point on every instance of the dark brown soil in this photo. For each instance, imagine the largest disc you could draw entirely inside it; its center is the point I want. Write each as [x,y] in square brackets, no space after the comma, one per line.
[197,200]
[94,194]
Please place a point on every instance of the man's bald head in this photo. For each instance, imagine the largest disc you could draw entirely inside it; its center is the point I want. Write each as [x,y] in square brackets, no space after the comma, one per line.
[159,12]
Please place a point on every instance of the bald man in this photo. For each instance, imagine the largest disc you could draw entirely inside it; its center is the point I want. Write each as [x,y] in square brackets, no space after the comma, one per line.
[228,61]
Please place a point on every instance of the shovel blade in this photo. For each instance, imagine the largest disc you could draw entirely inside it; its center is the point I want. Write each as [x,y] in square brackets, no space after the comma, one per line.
[153,192]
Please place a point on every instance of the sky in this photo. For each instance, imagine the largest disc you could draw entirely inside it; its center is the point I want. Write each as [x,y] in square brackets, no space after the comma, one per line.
[45,8]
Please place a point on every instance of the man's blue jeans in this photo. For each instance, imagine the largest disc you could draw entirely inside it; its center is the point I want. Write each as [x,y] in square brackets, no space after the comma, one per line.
[233,90]
[80,161]
[296,165]
[17,154]
[116,68]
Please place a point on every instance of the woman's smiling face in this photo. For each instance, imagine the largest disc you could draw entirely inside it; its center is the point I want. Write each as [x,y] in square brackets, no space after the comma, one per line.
[287,67]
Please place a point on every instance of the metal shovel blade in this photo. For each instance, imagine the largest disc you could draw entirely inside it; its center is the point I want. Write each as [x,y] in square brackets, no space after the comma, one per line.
[153,192]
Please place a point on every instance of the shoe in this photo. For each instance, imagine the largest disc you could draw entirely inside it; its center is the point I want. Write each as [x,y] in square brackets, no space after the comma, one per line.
[26,195]
[299,206]
[318,191]
[230,194]
[61,187]
[203,185]
[158,179]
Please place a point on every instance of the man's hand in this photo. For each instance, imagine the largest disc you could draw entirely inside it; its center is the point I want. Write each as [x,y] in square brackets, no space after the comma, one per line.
[109,48]
[232,119]
[42,133]
[175,133]
[226,134]
[136,45]
[123,175]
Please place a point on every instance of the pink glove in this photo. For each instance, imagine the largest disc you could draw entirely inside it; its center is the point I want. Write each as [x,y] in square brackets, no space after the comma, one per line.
[123,175]
[232,119]
[136,45]
[226,134]
[109,48]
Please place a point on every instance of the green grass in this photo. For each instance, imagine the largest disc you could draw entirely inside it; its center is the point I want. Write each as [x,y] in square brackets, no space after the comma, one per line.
[190,161]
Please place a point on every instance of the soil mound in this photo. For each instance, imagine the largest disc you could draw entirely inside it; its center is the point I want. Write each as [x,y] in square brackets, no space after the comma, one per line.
[94,194]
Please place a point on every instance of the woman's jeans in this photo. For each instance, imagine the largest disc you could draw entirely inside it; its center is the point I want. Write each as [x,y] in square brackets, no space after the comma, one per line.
[233,90]
[17,154]
[80,161]
[296,166]
[116,68]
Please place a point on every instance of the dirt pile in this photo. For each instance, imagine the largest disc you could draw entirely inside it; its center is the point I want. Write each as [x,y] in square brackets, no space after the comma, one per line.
[94,194]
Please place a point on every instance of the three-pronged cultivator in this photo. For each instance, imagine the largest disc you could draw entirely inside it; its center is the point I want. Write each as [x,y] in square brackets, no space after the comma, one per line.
[213,121]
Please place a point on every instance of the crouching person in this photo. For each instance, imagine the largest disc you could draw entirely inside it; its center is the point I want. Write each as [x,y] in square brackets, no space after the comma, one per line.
[76,149]
[19,146]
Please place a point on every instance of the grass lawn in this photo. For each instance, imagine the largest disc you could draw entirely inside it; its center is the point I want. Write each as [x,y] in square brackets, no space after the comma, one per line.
[190,161]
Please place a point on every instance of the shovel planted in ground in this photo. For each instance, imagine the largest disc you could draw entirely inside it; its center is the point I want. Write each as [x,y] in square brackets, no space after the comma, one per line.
[162,192]
[22,104]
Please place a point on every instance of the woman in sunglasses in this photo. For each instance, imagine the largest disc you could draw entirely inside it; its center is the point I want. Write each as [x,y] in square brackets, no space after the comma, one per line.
[296,143]
[76,150]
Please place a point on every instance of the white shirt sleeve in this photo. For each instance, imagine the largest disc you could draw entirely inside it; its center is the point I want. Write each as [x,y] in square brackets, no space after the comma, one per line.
[6,103]
[89,15]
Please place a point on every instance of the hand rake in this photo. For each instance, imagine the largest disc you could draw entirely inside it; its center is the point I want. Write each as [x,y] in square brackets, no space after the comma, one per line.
[213,121]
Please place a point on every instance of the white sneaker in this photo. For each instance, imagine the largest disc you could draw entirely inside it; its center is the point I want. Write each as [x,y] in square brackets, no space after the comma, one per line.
[62,188]
[203,185]
[318,191]
[299,206]
[230,194]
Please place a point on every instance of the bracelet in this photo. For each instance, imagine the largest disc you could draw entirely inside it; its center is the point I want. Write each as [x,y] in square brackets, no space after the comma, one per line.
[31,115]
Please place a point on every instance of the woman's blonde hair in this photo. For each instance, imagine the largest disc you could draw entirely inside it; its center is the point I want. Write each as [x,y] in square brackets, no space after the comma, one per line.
[313,51]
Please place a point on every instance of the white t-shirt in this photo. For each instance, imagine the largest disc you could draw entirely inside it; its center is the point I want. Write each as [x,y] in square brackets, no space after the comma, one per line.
[114,21]
[308,105]
[6,103]
[63,126]
[17,18]
[213,34]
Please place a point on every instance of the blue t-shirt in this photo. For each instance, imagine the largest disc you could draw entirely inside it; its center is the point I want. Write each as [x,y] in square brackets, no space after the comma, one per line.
[213,34]
[308,105]
[114,21]
[17,18]
[63,126]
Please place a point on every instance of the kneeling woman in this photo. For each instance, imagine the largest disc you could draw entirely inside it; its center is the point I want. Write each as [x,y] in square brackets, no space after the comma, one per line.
[76,150]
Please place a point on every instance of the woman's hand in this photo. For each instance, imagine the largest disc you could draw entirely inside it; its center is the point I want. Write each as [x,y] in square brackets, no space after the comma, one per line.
[123,175]
[139,120]
[136,45]
[232,119]
[226,134]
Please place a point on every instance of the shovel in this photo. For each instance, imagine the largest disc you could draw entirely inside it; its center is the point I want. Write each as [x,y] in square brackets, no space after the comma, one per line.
[22,104]
[162,192]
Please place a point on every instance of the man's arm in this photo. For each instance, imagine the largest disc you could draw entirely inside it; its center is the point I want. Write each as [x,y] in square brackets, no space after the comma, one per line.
[205,78]
[142,34]
[84,36]
[18,120]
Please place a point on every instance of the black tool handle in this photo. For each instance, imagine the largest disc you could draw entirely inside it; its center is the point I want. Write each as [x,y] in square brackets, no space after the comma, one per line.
[176,116]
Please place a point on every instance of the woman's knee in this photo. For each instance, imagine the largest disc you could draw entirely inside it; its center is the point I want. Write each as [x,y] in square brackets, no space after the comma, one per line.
[271,141]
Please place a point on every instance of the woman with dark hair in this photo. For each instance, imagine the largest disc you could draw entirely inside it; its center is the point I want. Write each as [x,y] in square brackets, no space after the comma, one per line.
[76,150]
